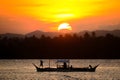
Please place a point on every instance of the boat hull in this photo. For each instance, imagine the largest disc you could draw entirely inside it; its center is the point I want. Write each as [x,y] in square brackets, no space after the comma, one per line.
[86,69]
[65,70]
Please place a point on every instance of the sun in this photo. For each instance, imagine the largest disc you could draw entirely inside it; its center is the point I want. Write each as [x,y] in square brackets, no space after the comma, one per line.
[64,27]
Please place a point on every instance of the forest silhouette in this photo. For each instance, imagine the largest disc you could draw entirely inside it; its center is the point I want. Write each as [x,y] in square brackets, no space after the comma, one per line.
[62,46]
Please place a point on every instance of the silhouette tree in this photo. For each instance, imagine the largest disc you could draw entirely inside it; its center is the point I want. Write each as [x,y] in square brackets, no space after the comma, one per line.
[68,46]
[93,34]
[86,35]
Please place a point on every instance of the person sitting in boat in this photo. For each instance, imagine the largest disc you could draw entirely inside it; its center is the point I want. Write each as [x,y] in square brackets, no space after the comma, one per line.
[41,63]
[90,66]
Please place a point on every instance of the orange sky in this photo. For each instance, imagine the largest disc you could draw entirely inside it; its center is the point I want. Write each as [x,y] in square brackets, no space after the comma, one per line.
[23,16]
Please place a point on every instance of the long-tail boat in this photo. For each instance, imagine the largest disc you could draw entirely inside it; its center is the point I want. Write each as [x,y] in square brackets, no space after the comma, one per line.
[65,67]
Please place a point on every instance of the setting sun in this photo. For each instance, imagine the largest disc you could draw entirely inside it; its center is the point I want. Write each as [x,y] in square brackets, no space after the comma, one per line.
[64,27]
[23,16]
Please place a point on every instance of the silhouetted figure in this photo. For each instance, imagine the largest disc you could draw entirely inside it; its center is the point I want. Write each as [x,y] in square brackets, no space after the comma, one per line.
[90,66]
[71,67]
[41,63]
[65,65]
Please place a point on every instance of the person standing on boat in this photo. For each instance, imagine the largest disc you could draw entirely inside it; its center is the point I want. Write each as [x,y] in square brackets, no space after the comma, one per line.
[41,63]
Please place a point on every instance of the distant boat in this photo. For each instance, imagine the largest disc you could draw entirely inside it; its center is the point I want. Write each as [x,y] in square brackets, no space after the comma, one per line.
[65,67]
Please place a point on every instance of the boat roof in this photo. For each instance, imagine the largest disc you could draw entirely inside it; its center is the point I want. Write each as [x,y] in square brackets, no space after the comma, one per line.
[63,60]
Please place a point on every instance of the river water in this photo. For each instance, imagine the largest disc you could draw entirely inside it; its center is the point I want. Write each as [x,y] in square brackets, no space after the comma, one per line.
[22,69]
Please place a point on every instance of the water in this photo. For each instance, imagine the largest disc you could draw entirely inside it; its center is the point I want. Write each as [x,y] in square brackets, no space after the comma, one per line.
[24,70]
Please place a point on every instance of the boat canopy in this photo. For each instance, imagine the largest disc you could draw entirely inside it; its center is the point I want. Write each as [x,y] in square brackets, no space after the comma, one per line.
[62,60]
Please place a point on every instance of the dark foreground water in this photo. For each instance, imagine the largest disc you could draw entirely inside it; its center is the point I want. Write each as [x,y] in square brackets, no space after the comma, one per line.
[24,70]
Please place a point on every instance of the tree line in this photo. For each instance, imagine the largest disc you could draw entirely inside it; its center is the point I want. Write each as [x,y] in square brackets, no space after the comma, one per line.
[62,46]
